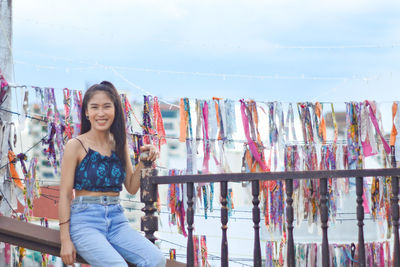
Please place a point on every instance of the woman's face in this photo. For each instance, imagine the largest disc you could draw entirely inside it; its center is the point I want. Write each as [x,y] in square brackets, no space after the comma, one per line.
[101,111]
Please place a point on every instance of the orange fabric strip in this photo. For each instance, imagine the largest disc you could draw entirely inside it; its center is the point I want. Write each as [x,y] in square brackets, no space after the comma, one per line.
[183,121]
[14,174]
[393,134]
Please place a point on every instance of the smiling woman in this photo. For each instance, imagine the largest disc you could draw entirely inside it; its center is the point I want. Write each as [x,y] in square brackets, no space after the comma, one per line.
[96,164]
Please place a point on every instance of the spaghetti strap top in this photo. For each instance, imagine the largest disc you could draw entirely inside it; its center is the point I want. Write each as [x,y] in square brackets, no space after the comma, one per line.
[81,144]
[99,173]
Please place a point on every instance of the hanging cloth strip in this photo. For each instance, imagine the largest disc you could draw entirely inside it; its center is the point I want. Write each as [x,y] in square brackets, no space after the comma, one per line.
[50,150]
[368,141]
[175,202]
[12,159]
[191,166]
[394,140]
[354,161]
[372,112]
[148,130]
[205,200]
[69,130]
[290,123]
[305,117]
[32,189]
[25,107]
[8,138]
[184,120]
[206,141]
[128,120]
[230,121]
[255,153]
[320,122]
[77,107]
[186,135]
[158,121]
[54,118]
[335,127]
[396,122]
[213,122]
[199,123]
[39,94]
[128,111]
[28,208]
[196,246]
[137,143]
[273,132]
[222,139]
[3,88]
[393,133]
[204,254]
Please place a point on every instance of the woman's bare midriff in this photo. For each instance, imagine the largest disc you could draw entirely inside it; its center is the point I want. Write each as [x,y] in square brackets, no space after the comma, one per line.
[79,193]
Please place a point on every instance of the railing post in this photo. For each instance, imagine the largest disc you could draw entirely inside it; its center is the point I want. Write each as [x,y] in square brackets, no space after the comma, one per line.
[289,219]
[323,189]
[395,212]
[190,219]
[224,222]
[148,195]
[255,190]
[360,219]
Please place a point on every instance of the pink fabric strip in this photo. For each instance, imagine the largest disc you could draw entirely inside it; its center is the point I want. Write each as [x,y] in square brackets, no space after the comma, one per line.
[206,143]
[252,145]
[375,123]
[381,255]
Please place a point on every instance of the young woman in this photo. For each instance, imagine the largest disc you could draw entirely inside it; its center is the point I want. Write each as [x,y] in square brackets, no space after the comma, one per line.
[96,164]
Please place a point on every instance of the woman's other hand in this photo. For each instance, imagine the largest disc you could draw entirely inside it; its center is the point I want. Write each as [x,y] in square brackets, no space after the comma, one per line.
[68,253]
[152,152]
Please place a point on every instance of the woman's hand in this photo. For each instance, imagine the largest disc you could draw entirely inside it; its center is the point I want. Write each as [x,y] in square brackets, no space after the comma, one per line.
[152,152]
[68,253]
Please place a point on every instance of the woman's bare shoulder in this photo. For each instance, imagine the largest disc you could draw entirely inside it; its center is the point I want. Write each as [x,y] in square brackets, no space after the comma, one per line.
[74,145]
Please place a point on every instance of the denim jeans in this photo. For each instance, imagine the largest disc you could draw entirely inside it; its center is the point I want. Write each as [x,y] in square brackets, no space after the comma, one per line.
[103,237]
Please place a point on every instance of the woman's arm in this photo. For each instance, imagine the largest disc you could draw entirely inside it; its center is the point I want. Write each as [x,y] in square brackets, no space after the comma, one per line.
[68,165]
[132,181]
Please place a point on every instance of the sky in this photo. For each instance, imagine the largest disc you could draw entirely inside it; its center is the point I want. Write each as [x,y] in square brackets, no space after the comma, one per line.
[284,50]
[265,50]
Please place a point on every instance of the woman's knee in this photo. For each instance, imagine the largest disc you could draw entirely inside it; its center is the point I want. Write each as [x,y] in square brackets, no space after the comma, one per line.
[161,261]
[156,260]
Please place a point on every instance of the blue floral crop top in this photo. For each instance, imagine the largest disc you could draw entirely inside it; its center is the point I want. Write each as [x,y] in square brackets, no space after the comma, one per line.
[99,173]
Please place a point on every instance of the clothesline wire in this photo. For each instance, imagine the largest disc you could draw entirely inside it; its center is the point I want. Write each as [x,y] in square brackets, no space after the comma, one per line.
[183,246]
[193,99]
[4,197]
[177,138]
[217,209]
[29,149]
[140,88]
[26,115]
[56,198]
[46,196]
[166,205]
[209,74]
[393,44]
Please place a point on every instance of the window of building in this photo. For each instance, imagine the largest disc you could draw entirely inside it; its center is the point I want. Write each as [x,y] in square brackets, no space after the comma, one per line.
[48,174]
[169,113]
[168,126]
[173,146]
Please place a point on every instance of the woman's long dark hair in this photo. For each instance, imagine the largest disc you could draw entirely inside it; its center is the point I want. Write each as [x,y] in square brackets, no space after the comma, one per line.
[118,126]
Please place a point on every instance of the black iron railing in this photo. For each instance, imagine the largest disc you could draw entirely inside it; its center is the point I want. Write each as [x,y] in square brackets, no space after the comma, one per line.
[150,182]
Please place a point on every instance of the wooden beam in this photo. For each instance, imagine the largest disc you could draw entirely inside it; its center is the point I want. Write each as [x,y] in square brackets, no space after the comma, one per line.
[31,236]
[39,238]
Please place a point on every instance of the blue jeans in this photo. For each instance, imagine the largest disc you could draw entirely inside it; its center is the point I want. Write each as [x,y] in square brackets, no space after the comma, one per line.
[103,237]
